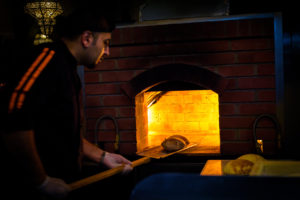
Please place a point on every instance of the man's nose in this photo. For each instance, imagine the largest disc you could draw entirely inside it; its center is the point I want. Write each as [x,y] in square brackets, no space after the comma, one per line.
[106,50]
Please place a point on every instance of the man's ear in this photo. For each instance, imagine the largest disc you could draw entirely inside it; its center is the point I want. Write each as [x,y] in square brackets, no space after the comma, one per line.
[86,38]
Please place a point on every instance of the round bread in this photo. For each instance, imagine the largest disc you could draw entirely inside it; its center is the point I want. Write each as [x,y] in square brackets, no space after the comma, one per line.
[180,137]
[252,157]
[174,143]
[238,167]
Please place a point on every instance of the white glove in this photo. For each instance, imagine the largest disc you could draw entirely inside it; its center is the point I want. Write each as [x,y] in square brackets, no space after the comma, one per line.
[54,187]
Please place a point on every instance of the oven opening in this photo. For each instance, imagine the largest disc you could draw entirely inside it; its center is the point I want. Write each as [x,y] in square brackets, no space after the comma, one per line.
[190,113]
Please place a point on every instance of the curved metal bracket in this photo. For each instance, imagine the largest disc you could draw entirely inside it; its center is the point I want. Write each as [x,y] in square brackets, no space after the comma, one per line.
[258,145]
[99,120]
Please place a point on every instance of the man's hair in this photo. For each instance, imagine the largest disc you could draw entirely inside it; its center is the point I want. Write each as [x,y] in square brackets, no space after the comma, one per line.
[82,20]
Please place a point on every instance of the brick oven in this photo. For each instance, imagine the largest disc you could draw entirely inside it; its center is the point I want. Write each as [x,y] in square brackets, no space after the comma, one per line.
[225,66]
[177,99]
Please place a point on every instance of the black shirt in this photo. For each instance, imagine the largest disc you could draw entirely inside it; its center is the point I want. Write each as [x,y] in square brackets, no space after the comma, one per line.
[46,99]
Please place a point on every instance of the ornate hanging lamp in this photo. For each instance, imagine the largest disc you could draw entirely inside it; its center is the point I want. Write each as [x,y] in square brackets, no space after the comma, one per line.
[44,11]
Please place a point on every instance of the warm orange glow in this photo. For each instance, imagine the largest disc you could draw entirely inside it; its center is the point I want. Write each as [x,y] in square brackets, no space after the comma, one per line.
[193,114]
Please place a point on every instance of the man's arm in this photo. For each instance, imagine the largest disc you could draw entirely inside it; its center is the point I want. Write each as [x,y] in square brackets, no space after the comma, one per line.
[110,160]
[22,149]
[91,151]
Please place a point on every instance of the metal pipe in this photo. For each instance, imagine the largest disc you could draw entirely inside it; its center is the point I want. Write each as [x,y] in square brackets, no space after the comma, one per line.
[117,140]
[259,143]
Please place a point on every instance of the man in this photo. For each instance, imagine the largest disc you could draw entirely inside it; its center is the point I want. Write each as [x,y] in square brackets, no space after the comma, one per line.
[41,133]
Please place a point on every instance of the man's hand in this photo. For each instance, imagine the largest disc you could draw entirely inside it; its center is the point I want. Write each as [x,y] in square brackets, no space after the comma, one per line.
[54,187]
[112,160]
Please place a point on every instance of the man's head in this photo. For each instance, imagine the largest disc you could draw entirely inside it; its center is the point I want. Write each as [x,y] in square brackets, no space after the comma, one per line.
[87,33]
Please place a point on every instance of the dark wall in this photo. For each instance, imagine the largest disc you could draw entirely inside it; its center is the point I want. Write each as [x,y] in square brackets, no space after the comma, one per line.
[291,47]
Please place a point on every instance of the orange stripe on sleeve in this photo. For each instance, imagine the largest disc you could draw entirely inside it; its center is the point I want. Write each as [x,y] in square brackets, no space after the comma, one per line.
[31,68]
[12,101]
[38,71]
[21,100]
[25,77]
[34,77]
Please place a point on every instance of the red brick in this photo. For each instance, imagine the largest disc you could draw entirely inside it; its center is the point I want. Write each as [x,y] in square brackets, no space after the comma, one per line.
[266,95]
[256,27]
[265,134]
[236,148]
[106,135]
[237,96]
[114,52]
[128,136]
[144,50]
[183,32]
[117,100]
[143,34]
[212,30]
[126,35]
[106,64]
[228,134]
[90,124]
[134,63]
[127,123]
[151,34]
[209,59]
[162,60]
[232,83]
[128,148]
[189,60]
[117,76]
[245,134]
[260,82]
[109,147]
[102,88]
[93,101]
[110,136]
[231,29]
[262,108]
[116,37]
[98,112]
[91,77]
[244,28]
[265,69]
[227,109]
[104,124]
[192,47]
[255,57]
[252,44]
[211,46]
[126,111]
[265,123]
[236,122]
[237,70]
[261,27]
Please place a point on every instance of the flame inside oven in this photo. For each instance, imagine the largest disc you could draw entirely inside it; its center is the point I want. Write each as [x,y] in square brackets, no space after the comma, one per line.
[191,113]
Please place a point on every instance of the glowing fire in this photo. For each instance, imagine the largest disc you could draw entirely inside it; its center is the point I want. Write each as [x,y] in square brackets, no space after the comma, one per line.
[193,114]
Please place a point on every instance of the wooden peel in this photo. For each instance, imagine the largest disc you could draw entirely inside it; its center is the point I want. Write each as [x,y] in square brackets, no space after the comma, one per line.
[102,175]
[154,152]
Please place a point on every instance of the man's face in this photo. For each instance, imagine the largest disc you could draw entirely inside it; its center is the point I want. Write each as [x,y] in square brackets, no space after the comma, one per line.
[102,43]
[99,48]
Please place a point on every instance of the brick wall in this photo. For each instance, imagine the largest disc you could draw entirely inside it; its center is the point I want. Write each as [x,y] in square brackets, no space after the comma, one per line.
[240,50]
